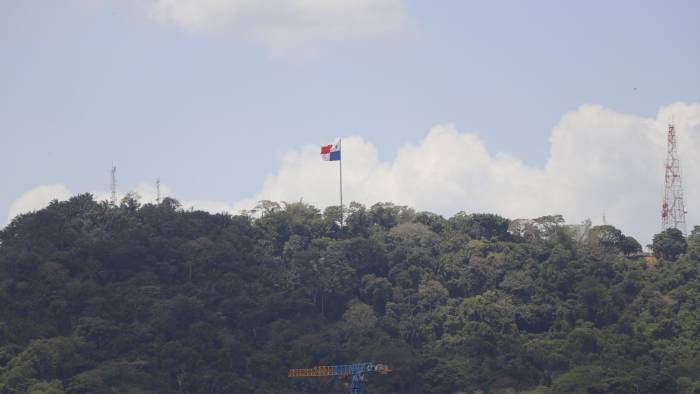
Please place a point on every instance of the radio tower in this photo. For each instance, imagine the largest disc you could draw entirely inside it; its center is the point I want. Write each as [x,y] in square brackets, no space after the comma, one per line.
[673,210]
[158,191]
[113,197]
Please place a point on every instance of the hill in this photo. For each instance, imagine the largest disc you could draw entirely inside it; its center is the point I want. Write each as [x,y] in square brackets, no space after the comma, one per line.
[155,299]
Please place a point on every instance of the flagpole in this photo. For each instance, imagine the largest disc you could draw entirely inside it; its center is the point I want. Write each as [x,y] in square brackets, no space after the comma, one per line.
[340,148]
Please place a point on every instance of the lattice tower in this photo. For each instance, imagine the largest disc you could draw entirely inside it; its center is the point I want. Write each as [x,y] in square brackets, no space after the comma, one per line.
[113,197]
[673,209]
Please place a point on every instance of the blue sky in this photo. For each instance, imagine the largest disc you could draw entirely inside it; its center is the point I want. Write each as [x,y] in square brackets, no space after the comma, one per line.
[213,110]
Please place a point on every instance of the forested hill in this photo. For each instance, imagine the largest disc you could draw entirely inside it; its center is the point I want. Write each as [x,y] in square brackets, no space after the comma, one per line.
[155,299]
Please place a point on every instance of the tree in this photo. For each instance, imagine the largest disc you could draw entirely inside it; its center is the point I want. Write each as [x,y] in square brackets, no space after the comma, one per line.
[612,240]
[358,320]
[669,244]
[431,293]
[52,387]
[630,246]
[578,379]
[375,291]
[694,243]
[98,299]
[481,225]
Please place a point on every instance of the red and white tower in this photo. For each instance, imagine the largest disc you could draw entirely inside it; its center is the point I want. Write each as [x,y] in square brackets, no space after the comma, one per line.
[673,209]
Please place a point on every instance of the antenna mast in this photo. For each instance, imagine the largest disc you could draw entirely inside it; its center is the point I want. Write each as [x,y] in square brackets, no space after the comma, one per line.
[113,197]
[673,209]
[158,191]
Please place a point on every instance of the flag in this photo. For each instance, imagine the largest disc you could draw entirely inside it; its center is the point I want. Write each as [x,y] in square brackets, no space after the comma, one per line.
[331,152]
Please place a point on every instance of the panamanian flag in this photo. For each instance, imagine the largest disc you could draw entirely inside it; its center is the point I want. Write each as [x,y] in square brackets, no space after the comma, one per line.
[331,152]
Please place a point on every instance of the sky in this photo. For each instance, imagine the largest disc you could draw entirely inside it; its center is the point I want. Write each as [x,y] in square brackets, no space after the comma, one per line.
[516,108]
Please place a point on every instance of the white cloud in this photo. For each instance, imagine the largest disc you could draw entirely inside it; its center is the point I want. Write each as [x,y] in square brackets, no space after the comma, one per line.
[282,23]
[37,198]
[601,161]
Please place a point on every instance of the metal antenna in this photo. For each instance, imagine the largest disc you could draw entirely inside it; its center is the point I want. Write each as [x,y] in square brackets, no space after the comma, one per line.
[673,208]
[158,191]
[113,197]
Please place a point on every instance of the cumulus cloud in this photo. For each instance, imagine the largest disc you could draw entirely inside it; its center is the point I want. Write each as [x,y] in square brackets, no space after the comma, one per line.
[600,161]
[282,23]
[37,198]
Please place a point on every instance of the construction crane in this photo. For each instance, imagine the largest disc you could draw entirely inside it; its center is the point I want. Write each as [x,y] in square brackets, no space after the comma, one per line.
[356,371]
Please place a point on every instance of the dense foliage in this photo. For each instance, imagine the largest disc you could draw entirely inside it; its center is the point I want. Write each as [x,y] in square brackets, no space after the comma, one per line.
[156,299]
